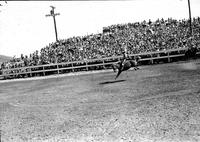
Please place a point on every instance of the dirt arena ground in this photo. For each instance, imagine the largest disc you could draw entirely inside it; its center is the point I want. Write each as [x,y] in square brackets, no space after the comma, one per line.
[159,103]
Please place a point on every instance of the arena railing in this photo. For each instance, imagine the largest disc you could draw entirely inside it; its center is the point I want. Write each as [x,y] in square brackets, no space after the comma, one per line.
[87,65]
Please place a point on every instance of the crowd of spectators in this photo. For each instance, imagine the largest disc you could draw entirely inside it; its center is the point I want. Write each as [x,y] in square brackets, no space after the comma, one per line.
[139,37]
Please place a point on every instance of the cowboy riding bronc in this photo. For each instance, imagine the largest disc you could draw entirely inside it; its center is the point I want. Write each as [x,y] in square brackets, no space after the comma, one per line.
[125,56]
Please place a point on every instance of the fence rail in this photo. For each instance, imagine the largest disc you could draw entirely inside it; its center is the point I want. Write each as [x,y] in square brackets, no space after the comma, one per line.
[88,64]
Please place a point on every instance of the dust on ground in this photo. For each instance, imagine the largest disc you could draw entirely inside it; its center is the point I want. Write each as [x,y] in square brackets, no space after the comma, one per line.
[159,103]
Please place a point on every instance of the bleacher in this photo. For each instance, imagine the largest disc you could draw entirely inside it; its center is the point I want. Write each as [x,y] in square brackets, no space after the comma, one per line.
[139,37]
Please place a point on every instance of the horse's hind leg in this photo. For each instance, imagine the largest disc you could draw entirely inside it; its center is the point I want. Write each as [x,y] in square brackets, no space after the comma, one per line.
[119,72]
[113,68]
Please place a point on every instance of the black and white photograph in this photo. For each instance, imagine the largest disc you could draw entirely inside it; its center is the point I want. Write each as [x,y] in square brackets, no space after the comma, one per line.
[100,71]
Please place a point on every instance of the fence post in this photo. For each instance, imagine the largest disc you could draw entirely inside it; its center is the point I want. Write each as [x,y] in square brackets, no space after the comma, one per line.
[86,65]
[104,64]
[58,68]
[5,76]
[168,56]
[43,71]
[30,72]
[72,67]
[13,72]
[151,58]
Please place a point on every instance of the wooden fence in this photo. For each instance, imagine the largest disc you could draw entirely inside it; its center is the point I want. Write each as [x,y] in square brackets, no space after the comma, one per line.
[95,64]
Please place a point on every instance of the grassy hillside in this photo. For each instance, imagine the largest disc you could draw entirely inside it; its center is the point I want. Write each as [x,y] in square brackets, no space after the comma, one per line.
[4,58]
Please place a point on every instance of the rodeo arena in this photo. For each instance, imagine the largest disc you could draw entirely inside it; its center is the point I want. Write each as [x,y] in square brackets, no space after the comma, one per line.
[132,82]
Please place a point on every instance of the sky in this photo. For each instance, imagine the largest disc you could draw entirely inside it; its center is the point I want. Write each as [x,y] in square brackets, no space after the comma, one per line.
[24,28]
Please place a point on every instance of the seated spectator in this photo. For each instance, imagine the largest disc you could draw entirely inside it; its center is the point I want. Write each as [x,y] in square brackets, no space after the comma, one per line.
[140,37]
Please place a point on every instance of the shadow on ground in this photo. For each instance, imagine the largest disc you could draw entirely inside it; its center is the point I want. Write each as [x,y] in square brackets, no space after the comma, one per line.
[113,81]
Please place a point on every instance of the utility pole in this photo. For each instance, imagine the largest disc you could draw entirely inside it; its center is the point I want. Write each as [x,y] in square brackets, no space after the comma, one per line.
[54,19]
[190,19]
[0,135]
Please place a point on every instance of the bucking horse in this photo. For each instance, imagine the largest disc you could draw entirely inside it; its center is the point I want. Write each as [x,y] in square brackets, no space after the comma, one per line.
[127,65]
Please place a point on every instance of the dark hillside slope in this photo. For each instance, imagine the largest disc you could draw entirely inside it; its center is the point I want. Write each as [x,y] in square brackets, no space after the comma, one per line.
[4,58]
